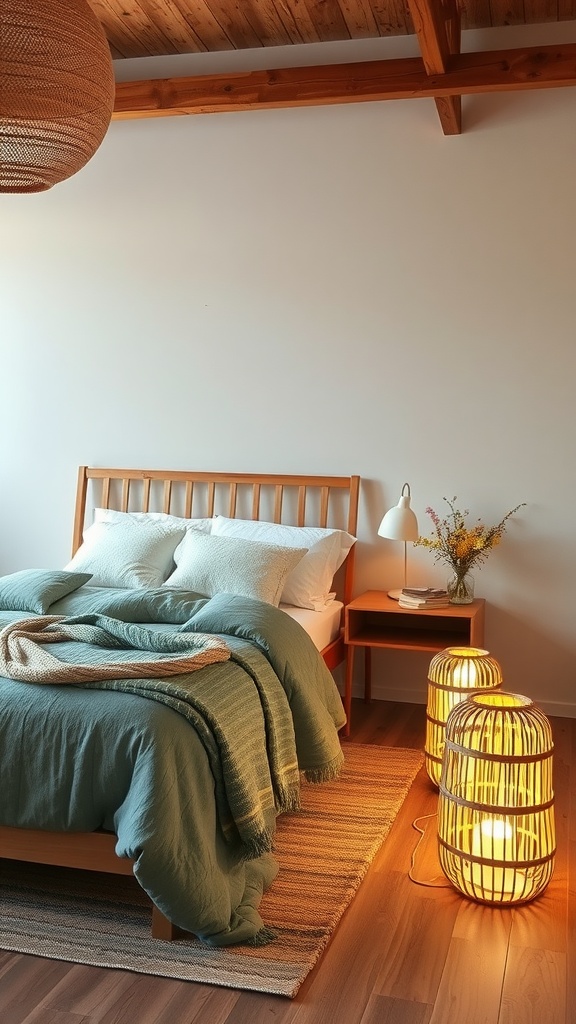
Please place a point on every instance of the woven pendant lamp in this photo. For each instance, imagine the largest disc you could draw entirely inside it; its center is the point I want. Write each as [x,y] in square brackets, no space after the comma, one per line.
[56,91]
[496,835]
[453,675]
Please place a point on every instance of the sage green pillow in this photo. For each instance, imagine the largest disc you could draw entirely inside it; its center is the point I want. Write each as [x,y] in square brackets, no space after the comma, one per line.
[172,607]
[34,590]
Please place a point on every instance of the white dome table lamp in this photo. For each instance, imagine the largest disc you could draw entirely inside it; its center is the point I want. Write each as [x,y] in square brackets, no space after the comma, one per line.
[400,523]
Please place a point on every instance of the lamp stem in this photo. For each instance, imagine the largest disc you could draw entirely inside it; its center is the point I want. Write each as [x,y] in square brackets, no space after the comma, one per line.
[405,563]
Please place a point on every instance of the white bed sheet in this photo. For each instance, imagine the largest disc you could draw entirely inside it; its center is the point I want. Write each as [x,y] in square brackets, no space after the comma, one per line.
[322,627]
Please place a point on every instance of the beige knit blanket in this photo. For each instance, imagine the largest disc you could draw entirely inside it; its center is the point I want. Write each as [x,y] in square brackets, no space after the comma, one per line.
[115,650]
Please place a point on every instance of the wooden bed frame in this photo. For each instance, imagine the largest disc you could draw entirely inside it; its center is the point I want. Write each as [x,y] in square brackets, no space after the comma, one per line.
[326,501]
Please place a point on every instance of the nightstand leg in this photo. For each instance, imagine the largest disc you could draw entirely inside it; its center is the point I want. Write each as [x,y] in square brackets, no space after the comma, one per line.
[367,675]
[348,689]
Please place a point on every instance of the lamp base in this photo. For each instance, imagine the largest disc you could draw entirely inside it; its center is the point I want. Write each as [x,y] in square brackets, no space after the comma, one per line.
[395,594]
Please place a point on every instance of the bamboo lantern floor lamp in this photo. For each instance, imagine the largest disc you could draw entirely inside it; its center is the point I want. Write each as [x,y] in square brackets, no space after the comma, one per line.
[496,833]
[453,675]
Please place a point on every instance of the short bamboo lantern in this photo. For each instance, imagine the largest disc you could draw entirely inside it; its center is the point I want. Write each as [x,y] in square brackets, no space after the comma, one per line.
[452,675]
[496,836]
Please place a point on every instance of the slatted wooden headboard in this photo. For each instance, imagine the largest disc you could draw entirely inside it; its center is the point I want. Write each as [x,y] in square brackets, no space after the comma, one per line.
[327,501]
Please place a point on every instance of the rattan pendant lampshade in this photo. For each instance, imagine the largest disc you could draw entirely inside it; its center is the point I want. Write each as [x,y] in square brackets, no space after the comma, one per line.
[496,835]
[56,91]
[453,675]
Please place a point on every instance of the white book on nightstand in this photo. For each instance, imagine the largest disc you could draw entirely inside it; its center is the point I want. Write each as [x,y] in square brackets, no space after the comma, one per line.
[423,597]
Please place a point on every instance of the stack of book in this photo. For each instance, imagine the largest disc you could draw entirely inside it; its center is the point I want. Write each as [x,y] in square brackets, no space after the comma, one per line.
[423,597]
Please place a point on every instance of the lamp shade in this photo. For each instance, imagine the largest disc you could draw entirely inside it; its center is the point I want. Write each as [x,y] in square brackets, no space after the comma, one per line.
[496,834]
[452,675]
[56,91]
[400,522]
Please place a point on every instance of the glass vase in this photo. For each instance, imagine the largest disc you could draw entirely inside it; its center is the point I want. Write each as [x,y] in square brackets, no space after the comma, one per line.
[460,587]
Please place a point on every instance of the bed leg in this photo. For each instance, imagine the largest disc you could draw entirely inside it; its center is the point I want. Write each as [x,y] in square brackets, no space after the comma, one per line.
[162,928]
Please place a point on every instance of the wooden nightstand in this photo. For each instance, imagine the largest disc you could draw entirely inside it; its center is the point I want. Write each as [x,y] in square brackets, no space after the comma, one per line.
[375,620]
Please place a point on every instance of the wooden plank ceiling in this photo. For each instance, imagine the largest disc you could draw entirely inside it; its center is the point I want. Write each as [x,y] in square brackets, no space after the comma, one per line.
[143,28]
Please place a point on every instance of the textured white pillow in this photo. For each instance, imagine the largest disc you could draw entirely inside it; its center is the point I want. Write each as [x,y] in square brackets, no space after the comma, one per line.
[230,565]
[308,584]
[122,554]
[111,515]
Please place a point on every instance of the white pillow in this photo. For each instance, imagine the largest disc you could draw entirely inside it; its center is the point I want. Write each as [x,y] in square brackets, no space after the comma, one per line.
[111,515]
[122,554]
[308,584]
[230,565]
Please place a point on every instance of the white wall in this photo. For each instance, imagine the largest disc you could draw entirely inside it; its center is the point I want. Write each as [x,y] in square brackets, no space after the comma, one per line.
[335,289]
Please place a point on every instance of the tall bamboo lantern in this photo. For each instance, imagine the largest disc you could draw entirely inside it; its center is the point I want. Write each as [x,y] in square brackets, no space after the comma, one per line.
[496,835]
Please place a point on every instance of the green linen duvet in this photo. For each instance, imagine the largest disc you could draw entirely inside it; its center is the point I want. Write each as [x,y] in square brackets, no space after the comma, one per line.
[189,770]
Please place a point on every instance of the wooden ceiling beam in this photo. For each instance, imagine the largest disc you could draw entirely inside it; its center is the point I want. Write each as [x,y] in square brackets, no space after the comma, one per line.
[537,67]
[437,28]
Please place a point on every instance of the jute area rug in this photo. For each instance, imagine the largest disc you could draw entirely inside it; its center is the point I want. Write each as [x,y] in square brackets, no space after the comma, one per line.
[324,852]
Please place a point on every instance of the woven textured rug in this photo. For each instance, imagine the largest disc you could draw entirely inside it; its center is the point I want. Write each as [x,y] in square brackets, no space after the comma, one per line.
[324,852]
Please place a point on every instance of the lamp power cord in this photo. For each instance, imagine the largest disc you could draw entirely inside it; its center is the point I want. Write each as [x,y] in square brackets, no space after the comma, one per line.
[439,881]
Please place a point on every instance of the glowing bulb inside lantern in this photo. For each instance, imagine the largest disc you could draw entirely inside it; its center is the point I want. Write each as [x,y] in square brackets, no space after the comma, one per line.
[464,674]
[495,840]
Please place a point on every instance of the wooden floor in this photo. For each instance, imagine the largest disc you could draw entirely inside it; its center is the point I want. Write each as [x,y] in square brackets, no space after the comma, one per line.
[404,953]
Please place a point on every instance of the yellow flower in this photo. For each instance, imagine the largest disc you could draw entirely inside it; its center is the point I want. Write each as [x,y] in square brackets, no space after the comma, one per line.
[459,545]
